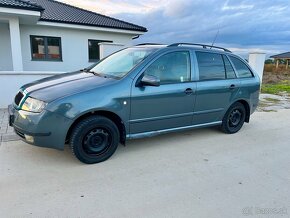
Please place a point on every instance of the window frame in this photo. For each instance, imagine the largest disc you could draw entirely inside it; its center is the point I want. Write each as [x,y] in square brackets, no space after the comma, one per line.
[166,53]
[46,49]
[225,73]
[236,72]
[99,41]
[225,56]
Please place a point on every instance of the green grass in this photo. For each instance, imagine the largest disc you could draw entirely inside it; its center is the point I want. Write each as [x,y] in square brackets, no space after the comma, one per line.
[283,86]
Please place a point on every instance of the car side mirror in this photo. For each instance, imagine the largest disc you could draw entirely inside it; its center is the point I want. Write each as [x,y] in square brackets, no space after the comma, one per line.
[150,80]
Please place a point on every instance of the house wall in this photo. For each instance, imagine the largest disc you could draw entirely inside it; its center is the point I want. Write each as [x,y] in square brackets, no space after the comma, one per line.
[11,81]
[74,45]
[5,48]
[109,48]
[256,61]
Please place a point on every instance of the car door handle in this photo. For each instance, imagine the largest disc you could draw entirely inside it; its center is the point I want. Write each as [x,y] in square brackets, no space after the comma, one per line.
[188,91]
[233,86]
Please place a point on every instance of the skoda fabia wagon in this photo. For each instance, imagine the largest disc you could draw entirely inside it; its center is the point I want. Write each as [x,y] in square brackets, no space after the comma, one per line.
[139,91]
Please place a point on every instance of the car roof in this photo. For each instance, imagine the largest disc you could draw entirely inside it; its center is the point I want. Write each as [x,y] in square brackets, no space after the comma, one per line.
[204,46]
[190,46]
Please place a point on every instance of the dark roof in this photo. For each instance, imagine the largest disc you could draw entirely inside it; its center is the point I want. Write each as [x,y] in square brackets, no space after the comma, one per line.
[54,11]
[283,55]
[19,4]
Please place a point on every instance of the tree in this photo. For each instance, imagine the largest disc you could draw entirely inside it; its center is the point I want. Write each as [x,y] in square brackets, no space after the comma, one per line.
[269,61]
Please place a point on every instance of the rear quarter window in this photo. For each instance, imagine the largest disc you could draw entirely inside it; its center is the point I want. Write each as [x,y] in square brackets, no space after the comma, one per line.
[229,69]
[242,69]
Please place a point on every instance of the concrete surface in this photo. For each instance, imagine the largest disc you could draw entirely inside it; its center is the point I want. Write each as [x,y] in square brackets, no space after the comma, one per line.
[197,173]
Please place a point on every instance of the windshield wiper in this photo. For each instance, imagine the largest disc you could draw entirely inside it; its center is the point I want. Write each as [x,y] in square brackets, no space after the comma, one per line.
[89,71]
[99,74]
[86,70]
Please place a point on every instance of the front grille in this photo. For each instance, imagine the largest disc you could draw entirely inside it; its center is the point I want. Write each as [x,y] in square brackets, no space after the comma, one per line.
[18,98]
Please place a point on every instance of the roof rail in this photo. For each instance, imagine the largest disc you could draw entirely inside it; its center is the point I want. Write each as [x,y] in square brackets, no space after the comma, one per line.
[149,44]
[202,45]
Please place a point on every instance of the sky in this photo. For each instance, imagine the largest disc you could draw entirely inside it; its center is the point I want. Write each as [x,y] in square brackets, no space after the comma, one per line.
[242,26]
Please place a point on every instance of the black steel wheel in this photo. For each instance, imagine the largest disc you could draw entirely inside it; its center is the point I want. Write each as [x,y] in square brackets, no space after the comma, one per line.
[234,118]
[94,139]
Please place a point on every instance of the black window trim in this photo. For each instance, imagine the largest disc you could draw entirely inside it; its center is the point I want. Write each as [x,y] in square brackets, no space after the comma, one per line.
[236,72]
[202,80]
[46,49]
[165,53]
[99,41]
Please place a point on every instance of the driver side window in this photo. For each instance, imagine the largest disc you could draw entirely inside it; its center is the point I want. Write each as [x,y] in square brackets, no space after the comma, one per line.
[173,67]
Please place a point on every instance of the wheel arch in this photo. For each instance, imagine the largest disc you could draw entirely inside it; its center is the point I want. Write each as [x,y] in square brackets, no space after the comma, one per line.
[247,108]
[108,114]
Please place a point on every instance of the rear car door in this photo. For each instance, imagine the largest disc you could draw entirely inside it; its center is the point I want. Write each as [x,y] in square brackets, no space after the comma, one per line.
[216,87]
[169,105]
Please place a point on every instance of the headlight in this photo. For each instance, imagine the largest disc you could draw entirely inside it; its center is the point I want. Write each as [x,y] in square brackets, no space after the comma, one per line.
[33,105]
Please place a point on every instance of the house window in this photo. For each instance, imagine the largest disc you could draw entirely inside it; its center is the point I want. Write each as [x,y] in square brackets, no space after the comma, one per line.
[46,48]
[94,50]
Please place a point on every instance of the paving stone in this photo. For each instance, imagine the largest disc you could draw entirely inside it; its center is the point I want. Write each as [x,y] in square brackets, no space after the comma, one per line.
[6,132]
[3,130]
[10,137]
[10,129]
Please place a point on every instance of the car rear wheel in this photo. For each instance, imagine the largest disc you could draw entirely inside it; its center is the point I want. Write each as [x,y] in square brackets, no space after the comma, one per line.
[234,118]
[94,139]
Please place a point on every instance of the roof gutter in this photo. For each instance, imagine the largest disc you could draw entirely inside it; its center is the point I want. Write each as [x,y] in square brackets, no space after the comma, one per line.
[87,27]
[17,11]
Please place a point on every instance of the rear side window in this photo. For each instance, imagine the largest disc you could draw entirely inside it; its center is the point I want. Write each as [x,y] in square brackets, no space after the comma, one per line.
[229,68]
[242,69]
[211,66]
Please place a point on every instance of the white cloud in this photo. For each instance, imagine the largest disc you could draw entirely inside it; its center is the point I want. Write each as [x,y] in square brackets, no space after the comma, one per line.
[242,6]
[244,25]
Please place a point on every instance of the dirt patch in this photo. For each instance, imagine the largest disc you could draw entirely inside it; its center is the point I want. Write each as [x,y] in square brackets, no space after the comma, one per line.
[275,77]
[276,81]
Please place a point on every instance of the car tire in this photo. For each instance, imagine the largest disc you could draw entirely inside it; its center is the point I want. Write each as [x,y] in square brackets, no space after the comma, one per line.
[234,118]
[94,139]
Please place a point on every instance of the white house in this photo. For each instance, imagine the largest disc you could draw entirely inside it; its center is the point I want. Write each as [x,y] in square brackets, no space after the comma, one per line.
[43,37]
[53,36]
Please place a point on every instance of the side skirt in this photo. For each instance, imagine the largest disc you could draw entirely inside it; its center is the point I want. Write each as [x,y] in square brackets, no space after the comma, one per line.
[163,131]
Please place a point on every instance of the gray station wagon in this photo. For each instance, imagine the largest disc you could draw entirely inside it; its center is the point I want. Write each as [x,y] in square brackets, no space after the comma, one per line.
[137,92]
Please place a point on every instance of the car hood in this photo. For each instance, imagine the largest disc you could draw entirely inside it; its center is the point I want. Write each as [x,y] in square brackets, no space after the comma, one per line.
[51,88]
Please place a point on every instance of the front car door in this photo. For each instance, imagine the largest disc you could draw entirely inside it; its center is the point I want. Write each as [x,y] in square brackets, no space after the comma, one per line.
[216,88]
[169,105]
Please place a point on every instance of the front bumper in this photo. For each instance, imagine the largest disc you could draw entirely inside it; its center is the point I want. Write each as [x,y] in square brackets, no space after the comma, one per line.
[45,129]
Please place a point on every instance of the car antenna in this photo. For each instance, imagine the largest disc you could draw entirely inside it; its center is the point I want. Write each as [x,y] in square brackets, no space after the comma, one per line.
[216,35]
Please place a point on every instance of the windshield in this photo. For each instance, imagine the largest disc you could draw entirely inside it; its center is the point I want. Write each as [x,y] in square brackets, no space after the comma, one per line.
[119,64]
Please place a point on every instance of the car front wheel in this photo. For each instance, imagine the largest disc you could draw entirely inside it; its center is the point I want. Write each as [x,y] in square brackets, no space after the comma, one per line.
[94,139]
[234,118]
